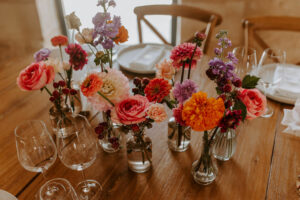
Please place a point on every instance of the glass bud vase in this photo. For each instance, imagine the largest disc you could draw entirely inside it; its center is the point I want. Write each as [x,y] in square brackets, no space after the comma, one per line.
[139,152]
[204,170]
[224,145]
[55,116]
[179,137]
[111,138]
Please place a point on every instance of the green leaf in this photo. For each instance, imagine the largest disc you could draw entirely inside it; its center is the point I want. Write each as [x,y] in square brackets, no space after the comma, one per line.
[250,82]
[218,91]
[239,105]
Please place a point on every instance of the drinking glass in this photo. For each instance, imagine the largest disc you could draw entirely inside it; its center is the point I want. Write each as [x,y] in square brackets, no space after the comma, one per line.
[247,61]
[271,61]
[57,188]
[36,149]
[78,151]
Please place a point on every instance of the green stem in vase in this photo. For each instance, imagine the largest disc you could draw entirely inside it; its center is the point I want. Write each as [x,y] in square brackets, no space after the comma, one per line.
[190,63]
[182,72]
[179,136]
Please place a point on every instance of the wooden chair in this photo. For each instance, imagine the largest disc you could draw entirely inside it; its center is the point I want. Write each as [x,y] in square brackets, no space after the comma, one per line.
[251,25]
[212,19]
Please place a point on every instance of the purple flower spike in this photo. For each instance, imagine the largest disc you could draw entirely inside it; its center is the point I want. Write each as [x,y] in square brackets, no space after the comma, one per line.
[42,54]
[232,58]
[107,44]
[183,91]
[112,3]
[218,51]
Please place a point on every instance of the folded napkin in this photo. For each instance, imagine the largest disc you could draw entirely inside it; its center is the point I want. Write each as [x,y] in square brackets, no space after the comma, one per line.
[147,58]
[291,119]
[6,196]
[289,85]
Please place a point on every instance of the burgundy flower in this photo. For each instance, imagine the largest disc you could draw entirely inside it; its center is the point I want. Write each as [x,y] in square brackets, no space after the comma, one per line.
[78,57]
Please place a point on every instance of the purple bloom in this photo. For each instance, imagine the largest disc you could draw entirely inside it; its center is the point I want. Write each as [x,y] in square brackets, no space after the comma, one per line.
[225,42]
[100,19]
[232,58]
[102,2]
[112,3]
[183,91]
[107,43]
[218,51]
[42,54]
[110,30]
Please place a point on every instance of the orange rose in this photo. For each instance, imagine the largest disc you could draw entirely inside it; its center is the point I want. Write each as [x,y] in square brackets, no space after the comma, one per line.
[59,40]
[122,35]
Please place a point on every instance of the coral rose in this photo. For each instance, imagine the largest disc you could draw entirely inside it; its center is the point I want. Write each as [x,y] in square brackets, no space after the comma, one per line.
[157,112]
[132,110]
[165,70]
[35,76]
[255,102]
[59,40]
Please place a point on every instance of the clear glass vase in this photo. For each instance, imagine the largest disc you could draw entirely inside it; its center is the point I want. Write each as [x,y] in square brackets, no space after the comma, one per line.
[204,170]
[55,116]
[224,145]
[139,152]
[111,139]
[179,137]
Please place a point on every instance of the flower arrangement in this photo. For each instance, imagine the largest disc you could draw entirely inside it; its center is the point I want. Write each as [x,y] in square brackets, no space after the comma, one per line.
[42,72]
[107,88]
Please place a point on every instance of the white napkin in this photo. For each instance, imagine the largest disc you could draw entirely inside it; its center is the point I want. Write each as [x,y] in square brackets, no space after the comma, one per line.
[6,196]
[147,58]
[291,119]
[289,85]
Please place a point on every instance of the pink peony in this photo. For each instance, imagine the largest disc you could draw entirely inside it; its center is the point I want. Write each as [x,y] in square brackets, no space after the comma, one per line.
[35,76]
[132,110]
[165,70]
[115,87]
[157,112]
[255,102]
[177,113]
[183,52]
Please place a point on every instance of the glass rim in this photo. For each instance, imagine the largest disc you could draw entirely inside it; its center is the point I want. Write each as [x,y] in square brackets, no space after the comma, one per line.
[57,179]
[273,51]
[26,122]
[243,48]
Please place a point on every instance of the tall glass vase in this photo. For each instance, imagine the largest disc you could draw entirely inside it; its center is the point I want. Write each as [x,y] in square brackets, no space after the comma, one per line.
[224,145]
[204,170]
[139,152]
[179,137]
[56,115]
[111,139]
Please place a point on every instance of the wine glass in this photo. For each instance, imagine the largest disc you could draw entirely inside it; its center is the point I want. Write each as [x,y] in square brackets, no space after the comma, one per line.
[247,61]
[36,149]
[57,188]
[78,151]
[271,61]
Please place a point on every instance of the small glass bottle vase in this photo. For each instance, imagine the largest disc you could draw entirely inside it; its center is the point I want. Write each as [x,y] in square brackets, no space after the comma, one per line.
[139,152]
[204,170]
[111,139]
[179,137]
[224,145]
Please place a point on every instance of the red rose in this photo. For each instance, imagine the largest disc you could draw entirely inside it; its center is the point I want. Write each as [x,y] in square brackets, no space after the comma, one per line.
[132,110]
[255,102]
[35,76]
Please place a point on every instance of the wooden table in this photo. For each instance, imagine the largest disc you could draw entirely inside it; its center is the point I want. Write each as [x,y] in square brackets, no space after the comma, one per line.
[264,166]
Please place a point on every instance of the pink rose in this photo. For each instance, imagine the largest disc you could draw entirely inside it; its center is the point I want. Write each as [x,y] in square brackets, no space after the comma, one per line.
[132,110]
[255,102]
[157,112]
[35,76]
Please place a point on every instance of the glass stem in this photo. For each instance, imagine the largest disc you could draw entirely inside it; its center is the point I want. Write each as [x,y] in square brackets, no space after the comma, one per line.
[84,179]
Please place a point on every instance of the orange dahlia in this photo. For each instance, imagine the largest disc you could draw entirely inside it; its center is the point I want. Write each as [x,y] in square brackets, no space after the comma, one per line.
[157,90]
[122,35]
[91,85]
[59,40]
[202,113]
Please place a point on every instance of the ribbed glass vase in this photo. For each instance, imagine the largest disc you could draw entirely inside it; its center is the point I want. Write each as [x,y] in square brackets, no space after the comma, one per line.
[224,145]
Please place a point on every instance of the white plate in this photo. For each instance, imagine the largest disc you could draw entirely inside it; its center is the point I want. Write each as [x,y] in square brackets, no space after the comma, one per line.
[127,54]
[6,196]
[275,96]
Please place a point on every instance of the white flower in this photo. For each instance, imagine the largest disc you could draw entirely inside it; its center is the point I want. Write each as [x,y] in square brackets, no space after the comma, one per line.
[87,34]
[73,22]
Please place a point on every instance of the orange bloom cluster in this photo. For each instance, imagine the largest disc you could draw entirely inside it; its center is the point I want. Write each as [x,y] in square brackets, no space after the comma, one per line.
[122,35]
[59,40]
[91,85]
[202,113]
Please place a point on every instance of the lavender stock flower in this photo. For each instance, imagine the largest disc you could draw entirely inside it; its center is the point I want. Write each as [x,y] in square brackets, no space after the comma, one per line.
[107,43]
[102,2]
[232,58]
[42,54]
[183,91]
[112,3]
[100,19]
[218,51]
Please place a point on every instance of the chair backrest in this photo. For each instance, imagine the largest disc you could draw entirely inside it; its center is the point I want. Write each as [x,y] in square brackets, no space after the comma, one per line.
[212,19]
[251,25]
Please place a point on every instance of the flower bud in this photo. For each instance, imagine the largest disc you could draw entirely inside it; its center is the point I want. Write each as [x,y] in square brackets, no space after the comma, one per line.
[62,83]
[55,85]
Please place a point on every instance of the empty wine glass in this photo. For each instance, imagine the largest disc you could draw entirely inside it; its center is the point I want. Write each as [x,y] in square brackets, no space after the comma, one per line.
[57,188]
[35,147]
[247,61]
[270,70]
[78,151]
